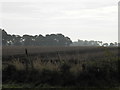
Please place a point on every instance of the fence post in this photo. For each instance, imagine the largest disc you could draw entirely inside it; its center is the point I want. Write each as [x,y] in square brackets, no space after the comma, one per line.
[26,61]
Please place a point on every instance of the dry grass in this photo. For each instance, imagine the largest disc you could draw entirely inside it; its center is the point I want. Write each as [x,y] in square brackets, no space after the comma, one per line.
[75,60]
[18,65]
[39,65]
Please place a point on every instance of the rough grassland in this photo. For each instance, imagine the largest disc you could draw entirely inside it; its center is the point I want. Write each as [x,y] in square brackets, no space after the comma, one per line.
[60,67]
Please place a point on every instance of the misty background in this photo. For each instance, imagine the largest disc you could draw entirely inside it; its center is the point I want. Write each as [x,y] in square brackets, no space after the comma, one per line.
[78,19]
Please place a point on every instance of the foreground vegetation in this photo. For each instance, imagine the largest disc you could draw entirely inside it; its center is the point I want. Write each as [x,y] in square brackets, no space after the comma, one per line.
[36,67]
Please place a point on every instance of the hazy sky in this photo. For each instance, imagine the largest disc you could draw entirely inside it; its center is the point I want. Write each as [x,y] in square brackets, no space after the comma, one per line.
[77,19]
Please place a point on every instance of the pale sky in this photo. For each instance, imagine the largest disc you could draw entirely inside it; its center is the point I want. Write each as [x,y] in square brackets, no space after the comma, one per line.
[77,19]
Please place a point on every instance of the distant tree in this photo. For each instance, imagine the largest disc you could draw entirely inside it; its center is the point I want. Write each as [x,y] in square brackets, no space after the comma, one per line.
[27,40]
[119,44]
[96,43]
[111,44]
[105,44]
[68,41]
[40,40]
[85,43]
[80,42]
[63,41]
[57,40]
[17,40]
[4,37]
[100,42]
[9,39]
[116,44]
[51,40]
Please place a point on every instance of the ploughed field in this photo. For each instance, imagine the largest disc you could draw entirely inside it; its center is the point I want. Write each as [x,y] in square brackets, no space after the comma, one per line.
[60,66]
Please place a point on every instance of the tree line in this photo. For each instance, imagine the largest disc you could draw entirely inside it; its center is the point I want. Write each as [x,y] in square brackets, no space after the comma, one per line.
[47,40]
[37,40]
[93,43]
